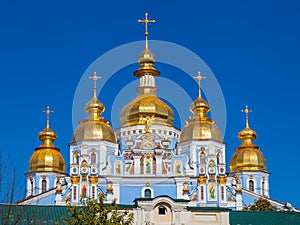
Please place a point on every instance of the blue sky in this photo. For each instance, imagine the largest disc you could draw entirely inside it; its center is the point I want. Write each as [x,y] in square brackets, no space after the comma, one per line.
[252,47]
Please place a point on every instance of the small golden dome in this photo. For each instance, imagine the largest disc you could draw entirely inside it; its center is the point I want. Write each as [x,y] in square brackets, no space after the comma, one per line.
[247,156]
[146,61]
[200,127]
[94,127]
[200,107]
[94,105]
[146,56]
[47,157]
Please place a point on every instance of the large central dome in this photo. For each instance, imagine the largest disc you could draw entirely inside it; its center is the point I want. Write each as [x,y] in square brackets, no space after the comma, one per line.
[146,104]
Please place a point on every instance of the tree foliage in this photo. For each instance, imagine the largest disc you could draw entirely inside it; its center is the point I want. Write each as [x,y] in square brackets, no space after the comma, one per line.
[95,212]
[260,205]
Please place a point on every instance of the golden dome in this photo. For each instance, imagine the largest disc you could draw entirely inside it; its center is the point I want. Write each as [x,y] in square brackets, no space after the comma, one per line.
[146,56]
[47,157]
[247,156]
[146,105]
[200,127]
[94,127]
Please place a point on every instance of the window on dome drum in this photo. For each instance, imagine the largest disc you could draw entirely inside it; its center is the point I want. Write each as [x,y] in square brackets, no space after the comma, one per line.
[44,185]
[251,185]
[263,188]
[147,193]
[162,210]
[31,187]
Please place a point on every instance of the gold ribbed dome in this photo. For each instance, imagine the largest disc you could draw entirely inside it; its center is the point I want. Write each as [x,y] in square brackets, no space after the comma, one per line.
[94,127]
[247,156]
[47,157]
[146,105]
[200,127]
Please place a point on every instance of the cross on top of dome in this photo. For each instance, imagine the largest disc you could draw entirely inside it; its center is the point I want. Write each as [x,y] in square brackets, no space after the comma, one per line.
[146,21]
[48,111]
[95,78]
[199,78]
[247,111]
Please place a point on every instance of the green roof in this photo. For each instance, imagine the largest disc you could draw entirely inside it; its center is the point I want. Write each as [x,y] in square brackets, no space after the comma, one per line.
[264,218]
[31,214]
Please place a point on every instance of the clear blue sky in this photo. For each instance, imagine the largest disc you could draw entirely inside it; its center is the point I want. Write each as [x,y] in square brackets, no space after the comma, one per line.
[251,46]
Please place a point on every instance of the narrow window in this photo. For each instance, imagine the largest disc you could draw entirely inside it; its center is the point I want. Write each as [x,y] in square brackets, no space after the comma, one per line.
[162,210]
[31,187]
[74,192]
[202,193]
[147,193]
[263,188]
[251,185]
[222,192]
[93,158]
[93,192]
[44,186]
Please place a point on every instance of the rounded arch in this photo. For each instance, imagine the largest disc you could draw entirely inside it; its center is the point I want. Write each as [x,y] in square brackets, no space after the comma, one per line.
[162,211]
[147,192]
[44,184]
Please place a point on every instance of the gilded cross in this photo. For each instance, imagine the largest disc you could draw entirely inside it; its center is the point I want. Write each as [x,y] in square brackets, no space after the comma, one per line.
[146,21]
[95,78]
[247,111]
[199,78]
[48,111]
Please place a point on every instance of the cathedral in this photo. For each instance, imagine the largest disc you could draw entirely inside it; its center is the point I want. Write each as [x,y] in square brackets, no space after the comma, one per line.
[147,157]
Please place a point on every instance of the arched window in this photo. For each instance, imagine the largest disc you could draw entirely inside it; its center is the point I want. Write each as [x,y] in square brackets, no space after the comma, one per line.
[251,185]
[31,187]
[162,210]
[263,188]
[93,158]
[44,185]
[147,193]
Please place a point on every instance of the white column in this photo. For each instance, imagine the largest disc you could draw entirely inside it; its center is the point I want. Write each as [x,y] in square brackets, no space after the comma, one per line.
[158,164]
[239,200]
[137,164]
